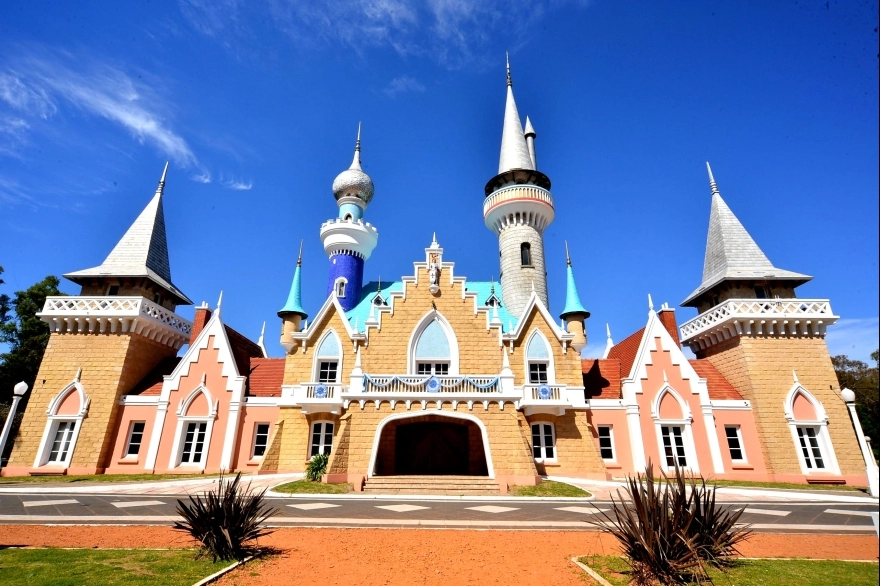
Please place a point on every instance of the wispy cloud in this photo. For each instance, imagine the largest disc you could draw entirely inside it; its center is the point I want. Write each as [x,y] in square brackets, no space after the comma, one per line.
[237,185]
[203,177]
[403,84]
[856,338]
[455,33]
[38,87]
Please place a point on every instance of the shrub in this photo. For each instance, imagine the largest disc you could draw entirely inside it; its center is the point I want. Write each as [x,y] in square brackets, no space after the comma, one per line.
[317,467]
[672,528]
[226,520]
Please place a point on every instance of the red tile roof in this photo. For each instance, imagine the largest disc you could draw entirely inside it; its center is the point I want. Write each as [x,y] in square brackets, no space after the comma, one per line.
[719,387]
[242,350]
[266,376]
[601,378]
[625,351]
[152,383]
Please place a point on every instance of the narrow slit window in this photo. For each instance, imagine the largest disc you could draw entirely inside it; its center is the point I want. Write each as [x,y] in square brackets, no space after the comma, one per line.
[606,442]
[543,441]
[525,253]
[261,439]
[135,437]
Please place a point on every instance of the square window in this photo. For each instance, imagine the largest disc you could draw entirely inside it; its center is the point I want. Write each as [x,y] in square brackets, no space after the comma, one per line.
[734,443]
[537,373]
[606,442]
[135,437]
[261,439]
[327,371]
[429,368]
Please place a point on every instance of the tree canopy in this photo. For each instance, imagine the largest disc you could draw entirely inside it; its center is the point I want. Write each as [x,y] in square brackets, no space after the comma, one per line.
[863,379]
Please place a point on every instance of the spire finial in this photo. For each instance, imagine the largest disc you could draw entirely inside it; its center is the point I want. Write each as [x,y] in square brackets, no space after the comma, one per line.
[712,185]
[608,331]
[650,303]
[356,161]
[299,258]
[567,257]
[509,79]
[794,376]
[379,287]
[161,187]
[220,301]
[357,144]
[261,343]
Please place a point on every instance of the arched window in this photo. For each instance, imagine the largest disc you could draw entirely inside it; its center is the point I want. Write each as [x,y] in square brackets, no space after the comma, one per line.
[538,359]
[525,254]
[327,359]
[340,288]
[432,350]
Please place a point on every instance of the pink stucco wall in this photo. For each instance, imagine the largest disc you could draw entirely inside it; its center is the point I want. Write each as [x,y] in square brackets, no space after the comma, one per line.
[616,418]
[118,464]
[247,426]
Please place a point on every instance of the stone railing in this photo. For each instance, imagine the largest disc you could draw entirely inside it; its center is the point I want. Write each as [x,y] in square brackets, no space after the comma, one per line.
[417,384]
[736,317]
[517,192]
[116,315]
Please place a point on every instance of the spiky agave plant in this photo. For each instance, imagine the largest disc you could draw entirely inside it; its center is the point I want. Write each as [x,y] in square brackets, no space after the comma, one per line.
[228,520]
[317,467]
[671,529]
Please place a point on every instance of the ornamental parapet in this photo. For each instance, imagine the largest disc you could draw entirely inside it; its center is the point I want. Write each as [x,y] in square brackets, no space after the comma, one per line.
[116,315]
[758,317]
[348,236]
[516,205]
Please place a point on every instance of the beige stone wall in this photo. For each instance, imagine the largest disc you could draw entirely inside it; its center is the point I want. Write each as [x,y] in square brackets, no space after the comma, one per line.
[577,450]
[518,281]
[111,365]
[288,450]
[760,368]
[568,365]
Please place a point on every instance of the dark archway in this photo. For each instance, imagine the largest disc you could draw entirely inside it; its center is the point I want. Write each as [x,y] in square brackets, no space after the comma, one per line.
[431,445]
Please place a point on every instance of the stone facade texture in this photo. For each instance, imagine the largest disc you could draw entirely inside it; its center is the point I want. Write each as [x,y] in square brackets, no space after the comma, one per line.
[517,280]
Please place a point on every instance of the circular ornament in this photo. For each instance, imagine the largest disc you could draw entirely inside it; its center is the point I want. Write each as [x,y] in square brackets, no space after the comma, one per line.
[433,385]
[320,392]
[544,392]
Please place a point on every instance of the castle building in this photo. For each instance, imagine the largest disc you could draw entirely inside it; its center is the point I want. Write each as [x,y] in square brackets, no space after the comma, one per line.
[435,381]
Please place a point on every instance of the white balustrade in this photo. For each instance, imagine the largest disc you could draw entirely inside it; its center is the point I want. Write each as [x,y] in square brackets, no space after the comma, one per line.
[513,192]
[440,384]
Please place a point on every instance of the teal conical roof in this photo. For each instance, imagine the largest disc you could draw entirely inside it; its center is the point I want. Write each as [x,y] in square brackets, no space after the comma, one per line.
[294,299]
[572,299]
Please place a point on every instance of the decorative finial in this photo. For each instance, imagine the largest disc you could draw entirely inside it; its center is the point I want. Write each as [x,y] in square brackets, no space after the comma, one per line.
[650,303]
[509,80]
[608,331]
[379,287]
[357,144]
[261,341]
[794,375]
[162,180]
[299,258]
[492,290]
[220,301]
[567,257]
[78,374]
[712,185]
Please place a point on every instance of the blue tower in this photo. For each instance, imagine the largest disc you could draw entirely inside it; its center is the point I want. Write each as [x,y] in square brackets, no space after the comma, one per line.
[348,240]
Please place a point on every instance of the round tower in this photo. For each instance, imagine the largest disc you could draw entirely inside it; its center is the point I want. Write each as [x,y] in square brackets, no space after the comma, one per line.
[518,207]
[348,240]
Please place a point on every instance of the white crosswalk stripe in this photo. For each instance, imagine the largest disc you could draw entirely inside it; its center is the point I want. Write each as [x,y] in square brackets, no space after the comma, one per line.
[773,512]
[47,503]
[855,513]
[402,508]
[584,510]
[127,504]
[492,509]
[313,506]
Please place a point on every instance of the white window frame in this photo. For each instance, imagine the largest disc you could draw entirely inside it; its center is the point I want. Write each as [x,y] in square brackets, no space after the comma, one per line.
[543,447]
[343,282]
[551,365]
[739,437]
[203,455]
[176,459]
[687,431]
[321,444]
[433,364]
[268,425]
[427,319]
[809,460]
[821,422]
[67,444]
[318,359]
[610,429]
[125,454]
[675,455]
[54,419]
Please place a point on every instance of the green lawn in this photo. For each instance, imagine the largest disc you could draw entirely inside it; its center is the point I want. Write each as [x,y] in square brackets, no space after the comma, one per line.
[759,572]
[785,485]
[549,488]
[104,567]
[102,478]
[308,487]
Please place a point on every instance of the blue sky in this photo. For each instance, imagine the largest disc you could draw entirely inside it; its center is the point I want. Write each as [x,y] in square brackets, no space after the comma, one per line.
[256,105]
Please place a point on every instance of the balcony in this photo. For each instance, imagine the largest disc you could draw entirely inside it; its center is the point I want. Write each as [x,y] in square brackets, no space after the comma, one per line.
[431,385]
[772,317]
[79,315]
[551,398]
[518,204]
[315,397]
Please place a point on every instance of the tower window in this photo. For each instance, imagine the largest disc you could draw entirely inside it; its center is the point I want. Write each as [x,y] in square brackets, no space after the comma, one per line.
[348,218]
[113,290]
[340,288]
[761,292]
[525,254]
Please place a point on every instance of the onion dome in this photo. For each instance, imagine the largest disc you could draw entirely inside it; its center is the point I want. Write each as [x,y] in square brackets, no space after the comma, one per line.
[353,182]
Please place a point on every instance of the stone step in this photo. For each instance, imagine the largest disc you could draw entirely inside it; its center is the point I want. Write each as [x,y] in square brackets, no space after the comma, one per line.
[442,485]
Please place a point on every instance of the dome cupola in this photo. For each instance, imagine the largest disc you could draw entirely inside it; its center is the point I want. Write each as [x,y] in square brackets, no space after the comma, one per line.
[353,182]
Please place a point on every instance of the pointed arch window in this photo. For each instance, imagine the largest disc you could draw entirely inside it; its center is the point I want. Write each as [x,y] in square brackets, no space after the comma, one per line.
[339,287]
[327,359]
[538,360]
[525,254]
[433,354]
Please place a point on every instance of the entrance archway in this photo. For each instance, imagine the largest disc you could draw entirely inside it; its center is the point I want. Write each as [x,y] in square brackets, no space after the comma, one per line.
[432,445]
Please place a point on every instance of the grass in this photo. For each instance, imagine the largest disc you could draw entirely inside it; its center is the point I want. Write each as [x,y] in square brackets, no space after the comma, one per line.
[550,488]
[759,572]
[308,487]
[785,485]
[103,567]
[101,478]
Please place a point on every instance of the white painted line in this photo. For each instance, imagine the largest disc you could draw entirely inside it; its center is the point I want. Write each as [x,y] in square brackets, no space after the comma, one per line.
[855,513]
[47,503]
[755,511]
[402,508]
[92,519]
[781,527]
[127,504]
[492,509]
[313,506]
[584,510]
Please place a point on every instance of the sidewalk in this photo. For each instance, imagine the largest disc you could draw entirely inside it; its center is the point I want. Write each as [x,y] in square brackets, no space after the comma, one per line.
[162,487]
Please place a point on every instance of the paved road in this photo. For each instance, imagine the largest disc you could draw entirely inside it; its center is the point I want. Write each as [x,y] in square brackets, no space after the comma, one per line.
[482,513]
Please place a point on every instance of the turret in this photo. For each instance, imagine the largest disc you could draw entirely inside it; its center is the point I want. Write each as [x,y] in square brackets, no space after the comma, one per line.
[292,314]
[518,207]
[574,314]
[348,241]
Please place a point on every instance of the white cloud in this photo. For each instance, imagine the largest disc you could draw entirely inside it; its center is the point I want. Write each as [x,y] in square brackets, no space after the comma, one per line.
[202,177]
[403,84]
[856,338]
[237,185]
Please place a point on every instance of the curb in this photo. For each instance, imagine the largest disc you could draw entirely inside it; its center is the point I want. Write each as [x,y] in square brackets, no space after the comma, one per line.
[217,575]
[590,571]
[431,497]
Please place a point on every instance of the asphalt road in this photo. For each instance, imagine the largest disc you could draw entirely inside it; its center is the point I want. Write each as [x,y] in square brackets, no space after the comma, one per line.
[482,513]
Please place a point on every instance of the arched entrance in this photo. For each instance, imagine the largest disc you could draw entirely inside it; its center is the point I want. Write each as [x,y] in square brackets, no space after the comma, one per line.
[430,445]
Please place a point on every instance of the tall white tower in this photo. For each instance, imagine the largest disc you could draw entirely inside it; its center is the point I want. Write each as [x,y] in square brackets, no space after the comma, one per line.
[518,207]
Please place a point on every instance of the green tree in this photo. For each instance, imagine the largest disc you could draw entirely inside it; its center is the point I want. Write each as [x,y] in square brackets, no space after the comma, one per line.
[865,382]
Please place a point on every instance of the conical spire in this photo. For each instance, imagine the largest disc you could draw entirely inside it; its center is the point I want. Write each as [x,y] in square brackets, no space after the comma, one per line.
[514,150]
[572,299]
[294,298]
[731,252]
[142,251]
[356,161]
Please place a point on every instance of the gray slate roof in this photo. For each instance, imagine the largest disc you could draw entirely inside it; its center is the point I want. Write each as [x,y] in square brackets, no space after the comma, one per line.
[141,252]
[514,150]
[732,254]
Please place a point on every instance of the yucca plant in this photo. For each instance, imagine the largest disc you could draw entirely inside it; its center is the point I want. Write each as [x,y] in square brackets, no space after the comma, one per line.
[671,529]
[317,467]
[228,520]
